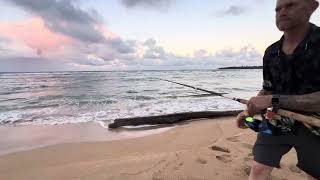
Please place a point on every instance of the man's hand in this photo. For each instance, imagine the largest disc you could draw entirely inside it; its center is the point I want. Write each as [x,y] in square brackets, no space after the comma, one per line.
[241,118]
[259,103]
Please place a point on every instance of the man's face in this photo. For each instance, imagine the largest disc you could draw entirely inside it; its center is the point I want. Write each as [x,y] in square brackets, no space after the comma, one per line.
[292,13]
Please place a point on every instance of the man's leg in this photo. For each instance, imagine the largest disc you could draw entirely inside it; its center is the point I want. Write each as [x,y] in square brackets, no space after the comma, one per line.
[308,148]
[260,172]
[268,151]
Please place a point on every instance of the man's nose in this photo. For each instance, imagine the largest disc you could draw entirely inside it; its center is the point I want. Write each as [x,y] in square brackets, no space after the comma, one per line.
[282,12]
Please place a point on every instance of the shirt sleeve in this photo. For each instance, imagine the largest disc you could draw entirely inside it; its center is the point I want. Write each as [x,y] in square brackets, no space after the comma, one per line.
[267,77]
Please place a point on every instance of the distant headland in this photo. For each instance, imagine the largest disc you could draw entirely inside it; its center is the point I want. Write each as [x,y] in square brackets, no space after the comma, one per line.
[242,67]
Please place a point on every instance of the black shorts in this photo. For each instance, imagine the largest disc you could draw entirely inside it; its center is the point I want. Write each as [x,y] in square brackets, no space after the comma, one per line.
[268,150]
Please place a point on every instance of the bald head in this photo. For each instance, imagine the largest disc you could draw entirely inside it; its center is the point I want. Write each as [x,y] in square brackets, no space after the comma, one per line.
[310,1]
[293,13]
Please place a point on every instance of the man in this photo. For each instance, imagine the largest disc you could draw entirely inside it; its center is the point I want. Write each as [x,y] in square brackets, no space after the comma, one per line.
[291,73]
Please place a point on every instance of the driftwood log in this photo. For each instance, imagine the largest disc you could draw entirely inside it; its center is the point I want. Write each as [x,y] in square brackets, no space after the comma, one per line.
[169,118]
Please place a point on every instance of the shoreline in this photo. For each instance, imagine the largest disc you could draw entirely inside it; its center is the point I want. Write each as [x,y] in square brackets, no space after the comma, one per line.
[28,137]
[191,150]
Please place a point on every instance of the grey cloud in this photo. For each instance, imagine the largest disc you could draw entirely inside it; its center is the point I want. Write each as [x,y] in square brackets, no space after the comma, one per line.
[153,50]
[150,43]
[92,62]
[157,57]
[29,64]
[200,53]
[147,3]
[233,10]
[124,47]
[3,41]
[239,9]
[204,60]
[65,17]
[1,47]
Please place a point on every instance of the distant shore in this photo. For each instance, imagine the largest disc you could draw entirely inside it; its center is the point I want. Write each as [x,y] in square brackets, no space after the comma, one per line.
[242,67]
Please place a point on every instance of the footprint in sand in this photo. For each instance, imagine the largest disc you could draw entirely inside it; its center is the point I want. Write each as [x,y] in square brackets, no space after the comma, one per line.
[158,178]
[224,158]
[221,149]
[233,139]
[177,177]
[201,161]
[177,167]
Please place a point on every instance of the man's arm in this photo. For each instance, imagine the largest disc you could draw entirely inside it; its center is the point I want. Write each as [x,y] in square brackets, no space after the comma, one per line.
[306,103]
[264,92]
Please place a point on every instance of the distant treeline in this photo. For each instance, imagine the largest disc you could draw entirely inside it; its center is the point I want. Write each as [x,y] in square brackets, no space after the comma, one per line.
[242,67]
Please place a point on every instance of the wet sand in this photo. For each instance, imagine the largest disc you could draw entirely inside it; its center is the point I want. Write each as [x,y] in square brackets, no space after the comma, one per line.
[206,149]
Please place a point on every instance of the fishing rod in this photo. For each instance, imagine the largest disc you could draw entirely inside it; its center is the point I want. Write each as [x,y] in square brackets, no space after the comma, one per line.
[299,117]
[242,101]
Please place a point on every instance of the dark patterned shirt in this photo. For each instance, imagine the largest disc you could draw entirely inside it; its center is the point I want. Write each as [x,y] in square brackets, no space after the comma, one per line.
[294,74]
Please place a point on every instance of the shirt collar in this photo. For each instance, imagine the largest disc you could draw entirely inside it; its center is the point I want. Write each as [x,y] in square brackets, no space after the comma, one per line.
[310,38]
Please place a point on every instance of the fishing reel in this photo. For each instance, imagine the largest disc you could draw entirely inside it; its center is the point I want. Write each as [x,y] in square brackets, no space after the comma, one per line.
[266,125]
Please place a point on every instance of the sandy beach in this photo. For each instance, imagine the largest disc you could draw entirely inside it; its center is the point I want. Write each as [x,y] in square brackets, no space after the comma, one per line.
[197,150]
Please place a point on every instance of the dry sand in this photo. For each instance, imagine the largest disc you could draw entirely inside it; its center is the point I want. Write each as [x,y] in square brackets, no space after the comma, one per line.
[181,153]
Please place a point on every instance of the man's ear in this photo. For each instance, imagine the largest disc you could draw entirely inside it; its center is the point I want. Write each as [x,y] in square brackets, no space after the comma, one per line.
[315,6]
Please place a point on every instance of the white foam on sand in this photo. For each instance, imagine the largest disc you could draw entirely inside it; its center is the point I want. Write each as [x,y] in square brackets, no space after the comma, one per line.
[21,138]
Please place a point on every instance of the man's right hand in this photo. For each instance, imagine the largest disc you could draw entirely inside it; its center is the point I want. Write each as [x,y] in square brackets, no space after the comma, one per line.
[241,119]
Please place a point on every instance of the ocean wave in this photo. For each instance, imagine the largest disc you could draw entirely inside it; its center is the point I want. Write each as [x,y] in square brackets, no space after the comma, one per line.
[192,96]
[94,102]
[39,106]
[16,118]
[151,90]
[57,98]
[132,79]
[139,98]
[13,99]
[7,93]
[132,92]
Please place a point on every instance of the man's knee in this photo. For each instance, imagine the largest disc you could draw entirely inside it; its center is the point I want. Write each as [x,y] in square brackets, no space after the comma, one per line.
[260,171]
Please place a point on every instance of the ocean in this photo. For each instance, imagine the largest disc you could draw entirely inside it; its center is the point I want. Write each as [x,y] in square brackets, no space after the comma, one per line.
[73,97]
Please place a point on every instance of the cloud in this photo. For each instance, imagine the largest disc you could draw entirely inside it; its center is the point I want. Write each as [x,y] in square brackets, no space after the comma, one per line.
[157,4]
[239,9]
[34,34]
[2,40]
[59,28]
[29,64]
[233,10]
[64,17]
[155,57]
[201,59]
[153,51]
[92,60]
[61,36]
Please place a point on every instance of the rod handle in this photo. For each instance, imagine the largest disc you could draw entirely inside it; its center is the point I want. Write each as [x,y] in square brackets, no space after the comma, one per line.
[242,101]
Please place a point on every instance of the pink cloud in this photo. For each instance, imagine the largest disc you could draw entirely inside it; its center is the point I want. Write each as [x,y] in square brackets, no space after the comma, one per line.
[34,34]
[106,33]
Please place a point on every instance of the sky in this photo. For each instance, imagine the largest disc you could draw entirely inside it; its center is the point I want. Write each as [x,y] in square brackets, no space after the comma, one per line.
[100,35]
